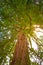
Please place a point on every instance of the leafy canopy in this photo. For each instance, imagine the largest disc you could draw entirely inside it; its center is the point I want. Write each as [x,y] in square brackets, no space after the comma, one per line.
[18,15]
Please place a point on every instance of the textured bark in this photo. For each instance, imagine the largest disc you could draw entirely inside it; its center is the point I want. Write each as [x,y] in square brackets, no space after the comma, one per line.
[21,55]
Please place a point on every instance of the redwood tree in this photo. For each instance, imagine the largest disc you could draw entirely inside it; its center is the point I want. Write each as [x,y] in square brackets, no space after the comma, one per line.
[18,21]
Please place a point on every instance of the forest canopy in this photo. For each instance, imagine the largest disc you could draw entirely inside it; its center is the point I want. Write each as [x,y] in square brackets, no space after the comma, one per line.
[25,16]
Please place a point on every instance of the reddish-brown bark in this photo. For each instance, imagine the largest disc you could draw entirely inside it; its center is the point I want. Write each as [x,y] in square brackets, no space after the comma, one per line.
[21,55]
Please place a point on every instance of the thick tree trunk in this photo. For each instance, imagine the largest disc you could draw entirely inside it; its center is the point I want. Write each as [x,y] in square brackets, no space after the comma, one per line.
[21,55]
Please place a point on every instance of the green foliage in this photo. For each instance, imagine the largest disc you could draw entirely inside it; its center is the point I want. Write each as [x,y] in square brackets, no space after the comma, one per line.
[16,15]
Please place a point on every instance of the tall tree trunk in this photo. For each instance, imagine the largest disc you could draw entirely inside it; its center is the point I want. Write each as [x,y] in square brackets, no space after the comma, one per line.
[21,54]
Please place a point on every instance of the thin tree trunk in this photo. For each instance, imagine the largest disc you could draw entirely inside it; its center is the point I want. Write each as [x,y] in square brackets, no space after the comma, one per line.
[21,55]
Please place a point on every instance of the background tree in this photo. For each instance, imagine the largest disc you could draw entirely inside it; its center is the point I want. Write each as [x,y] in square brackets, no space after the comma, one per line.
[17,15]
